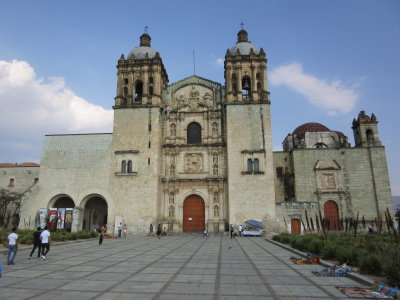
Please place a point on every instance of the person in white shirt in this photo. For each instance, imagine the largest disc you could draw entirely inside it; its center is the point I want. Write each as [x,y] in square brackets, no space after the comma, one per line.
[45,238]
[12,246]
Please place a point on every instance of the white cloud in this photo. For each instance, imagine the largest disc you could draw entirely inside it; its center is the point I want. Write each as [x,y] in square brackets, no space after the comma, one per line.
[333,97]
[31,108]
[219,61]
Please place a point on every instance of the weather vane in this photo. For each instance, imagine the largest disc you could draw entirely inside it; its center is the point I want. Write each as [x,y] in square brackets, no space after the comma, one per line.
[145,28]
[241,25]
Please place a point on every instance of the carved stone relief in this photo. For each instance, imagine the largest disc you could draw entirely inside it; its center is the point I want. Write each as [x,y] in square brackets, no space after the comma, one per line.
[193,98]
[214,130]
[193,163]
[171,198]
[172,130]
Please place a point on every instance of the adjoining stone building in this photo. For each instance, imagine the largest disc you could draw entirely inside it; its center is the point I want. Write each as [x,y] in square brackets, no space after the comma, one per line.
[196,154]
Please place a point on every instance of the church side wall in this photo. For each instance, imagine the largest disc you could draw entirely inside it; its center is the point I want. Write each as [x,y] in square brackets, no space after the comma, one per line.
[71,165]
[355,189]
[24,178]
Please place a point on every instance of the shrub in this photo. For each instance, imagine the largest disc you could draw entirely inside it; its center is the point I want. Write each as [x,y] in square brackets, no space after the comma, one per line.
[370,263]
[328,251]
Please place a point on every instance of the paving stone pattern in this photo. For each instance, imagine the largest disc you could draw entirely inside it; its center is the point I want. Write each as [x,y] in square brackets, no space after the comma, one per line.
[176,267]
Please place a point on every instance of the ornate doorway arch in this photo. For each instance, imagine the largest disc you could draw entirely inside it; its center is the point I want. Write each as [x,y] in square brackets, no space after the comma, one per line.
[331,213]
[193,214]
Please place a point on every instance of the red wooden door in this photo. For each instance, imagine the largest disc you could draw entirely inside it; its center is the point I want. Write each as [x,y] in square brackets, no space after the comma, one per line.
[295,226]
[331,215]
[193,214]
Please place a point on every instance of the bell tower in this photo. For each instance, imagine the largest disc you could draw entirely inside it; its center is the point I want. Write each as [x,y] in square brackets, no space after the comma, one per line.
[248,130]
[365,130]
[141,76]
[245,71]
[137,131]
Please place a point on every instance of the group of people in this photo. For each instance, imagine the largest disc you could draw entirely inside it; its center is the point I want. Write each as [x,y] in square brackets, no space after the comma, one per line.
[231,230]
[41,241]
[160,231]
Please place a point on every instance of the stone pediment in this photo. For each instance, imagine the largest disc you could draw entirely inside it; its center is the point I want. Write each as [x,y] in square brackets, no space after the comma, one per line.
[326,164]
[192,94]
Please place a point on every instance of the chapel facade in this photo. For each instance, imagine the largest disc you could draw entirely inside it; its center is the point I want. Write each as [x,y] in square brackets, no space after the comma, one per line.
[196,154]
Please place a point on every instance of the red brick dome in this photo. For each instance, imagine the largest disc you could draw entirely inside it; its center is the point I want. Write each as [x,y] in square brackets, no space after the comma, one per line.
[310,127]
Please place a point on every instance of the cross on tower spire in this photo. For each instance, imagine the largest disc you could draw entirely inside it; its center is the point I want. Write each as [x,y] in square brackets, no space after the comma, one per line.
[241,25]
[145,28]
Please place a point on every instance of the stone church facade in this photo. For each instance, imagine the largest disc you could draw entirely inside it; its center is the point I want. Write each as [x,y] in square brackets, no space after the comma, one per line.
[196,154]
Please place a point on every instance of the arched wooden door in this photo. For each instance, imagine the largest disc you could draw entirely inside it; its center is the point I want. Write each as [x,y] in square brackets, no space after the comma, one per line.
[331,213]
[295,226]
[193,214]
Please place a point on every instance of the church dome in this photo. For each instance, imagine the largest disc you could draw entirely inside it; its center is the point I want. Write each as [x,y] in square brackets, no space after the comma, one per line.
[310,127]
[144,50]
[243,45]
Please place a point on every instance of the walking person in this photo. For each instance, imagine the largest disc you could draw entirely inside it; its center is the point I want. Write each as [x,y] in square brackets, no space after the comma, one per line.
[12,246]
[240,229]
[159,231]
[37,243]
[151,229]
[119,229]
[232,232]
[103,231]
[125,230]
[45,238]
[205,232]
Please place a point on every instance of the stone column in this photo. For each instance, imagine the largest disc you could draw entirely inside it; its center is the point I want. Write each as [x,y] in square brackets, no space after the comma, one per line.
[77,216]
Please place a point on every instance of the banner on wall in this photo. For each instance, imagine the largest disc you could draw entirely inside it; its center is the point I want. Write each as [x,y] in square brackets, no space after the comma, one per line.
[53,214]
[60,218]
[68,218]
[43,213]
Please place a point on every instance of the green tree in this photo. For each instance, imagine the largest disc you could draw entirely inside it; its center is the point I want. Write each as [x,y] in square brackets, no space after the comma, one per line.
[10,203]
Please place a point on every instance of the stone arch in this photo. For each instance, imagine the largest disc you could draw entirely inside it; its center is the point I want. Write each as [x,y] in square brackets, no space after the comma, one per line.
[95,211]
[61,201]
[370,135]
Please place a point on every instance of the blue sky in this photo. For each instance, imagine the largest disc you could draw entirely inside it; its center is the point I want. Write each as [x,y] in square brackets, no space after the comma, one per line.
[327,60]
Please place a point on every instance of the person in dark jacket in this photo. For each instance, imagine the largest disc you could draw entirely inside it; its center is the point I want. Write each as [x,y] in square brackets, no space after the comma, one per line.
[37,243]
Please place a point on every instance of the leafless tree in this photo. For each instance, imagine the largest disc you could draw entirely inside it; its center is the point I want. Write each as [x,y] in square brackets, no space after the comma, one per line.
[9,207]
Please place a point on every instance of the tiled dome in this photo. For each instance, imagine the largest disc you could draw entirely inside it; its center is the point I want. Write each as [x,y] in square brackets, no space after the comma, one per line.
[144,50]
[243,44]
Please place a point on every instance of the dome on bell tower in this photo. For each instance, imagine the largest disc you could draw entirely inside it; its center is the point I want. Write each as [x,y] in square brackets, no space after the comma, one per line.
[243,46]
[144,50]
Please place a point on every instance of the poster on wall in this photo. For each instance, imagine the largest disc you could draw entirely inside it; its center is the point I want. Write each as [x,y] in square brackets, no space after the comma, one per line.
[43,213]
[52,218]
[68,218]
[60,218]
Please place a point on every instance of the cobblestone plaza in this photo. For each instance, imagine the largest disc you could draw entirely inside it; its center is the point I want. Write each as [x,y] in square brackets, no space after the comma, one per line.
[174,267]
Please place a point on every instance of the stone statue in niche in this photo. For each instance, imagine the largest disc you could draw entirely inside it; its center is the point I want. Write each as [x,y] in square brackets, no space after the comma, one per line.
[171,198]
[214,129]
[215,158]
[172,170]
[193,163]
[173,130]
[171,212]
[216,200]
[215,169]
[207,100]
[216,211]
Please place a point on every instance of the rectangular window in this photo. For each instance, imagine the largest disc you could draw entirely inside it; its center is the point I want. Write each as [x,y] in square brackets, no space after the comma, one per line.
[148,161]
[279,173]
[36,180]
[149,127]
[149,144]
[11,182]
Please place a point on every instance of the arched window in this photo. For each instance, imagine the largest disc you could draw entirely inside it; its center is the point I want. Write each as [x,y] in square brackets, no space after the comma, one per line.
[246,87]
[259,86]
[150,79]
[320,145]
[123,167]
[126,81]
[256,166]
[150,90]
[129,166]
[138,91]
[194,133]
[258,76]
[370,135]
[249,166]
